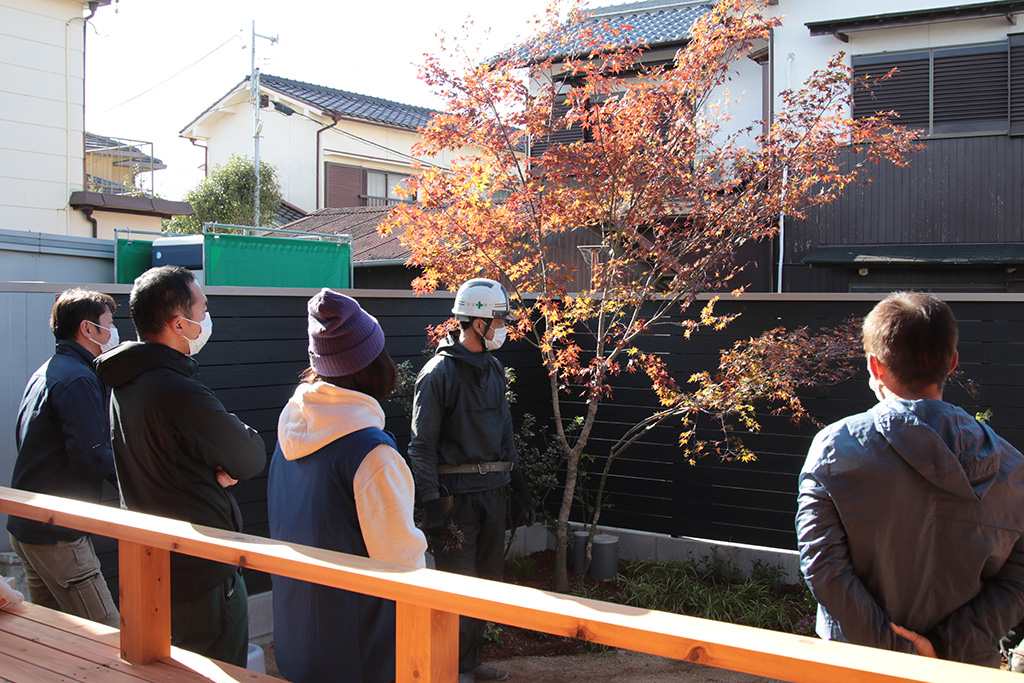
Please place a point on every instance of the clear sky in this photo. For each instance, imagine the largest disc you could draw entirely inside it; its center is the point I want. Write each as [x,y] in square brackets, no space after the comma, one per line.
[153,66]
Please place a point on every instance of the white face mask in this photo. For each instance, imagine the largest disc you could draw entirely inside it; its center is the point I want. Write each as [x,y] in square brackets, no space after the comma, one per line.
[113,341]
[499,338]
[206,329]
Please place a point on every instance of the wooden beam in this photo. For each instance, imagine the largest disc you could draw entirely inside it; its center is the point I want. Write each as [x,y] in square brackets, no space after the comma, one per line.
[728,646]
[145,582]
[426,645]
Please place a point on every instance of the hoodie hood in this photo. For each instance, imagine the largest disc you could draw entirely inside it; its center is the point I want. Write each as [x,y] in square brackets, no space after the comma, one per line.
[451,348]
[127,361]
[944,444]
[320,413]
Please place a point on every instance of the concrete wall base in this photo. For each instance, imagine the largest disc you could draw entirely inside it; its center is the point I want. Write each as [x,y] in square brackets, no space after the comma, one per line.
[661,548]
[261,618]
[10,565]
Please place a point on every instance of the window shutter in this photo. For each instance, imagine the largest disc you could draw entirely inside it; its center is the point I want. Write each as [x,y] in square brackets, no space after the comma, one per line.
[344,185]
[559,135]
[1017,84]
[971,89]
[906,92]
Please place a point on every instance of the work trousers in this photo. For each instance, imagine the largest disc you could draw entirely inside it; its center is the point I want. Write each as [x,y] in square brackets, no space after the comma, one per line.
[481,517]
[215,624]
[66,576]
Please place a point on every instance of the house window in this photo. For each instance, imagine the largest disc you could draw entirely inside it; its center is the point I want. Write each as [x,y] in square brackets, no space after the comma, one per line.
[382,188]
[353,186]
[942,91]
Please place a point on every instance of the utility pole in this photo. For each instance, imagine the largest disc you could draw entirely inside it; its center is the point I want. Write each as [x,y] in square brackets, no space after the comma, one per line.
[257,126]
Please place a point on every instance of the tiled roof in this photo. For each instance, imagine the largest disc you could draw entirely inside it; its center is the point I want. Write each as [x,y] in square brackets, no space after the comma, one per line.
[351,104]
[361,223]
[288,212]
[650,23]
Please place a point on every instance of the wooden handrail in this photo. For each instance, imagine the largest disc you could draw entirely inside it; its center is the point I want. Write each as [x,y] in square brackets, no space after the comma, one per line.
[428,603]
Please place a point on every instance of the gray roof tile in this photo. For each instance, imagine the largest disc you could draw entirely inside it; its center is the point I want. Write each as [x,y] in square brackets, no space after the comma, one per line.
[651,23]
[351,104]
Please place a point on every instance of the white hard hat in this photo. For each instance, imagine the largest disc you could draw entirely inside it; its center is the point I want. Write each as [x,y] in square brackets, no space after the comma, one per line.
[481,298]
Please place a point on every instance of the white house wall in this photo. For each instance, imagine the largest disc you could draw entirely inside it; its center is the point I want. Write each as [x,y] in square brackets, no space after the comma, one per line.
[41,115]
[289,144]
[813,52]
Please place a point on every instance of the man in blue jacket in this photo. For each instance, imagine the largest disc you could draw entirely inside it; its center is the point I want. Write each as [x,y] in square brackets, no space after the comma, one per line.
[909,515]
[63,439]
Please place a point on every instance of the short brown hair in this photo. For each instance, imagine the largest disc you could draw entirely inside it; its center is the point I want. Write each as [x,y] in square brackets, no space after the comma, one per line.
[379,379]
[914,335]
[75,305]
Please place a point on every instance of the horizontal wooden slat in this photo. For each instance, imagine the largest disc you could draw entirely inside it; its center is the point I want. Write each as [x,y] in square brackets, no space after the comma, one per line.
[739,648]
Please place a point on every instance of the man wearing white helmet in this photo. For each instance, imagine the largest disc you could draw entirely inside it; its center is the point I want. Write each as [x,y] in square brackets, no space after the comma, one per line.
[462,452]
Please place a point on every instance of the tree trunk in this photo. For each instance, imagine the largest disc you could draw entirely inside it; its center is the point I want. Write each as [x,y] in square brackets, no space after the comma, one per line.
[572,463]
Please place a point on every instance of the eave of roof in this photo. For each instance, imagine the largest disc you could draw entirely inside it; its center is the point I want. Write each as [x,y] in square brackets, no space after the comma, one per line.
[917,255]
[331,102]
[122,203]
[840,27]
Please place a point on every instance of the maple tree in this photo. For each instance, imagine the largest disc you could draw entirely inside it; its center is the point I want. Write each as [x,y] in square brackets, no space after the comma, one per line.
[669,186]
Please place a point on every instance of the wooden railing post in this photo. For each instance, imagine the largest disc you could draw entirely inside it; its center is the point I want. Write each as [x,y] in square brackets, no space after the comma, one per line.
[426,645]
[145,588]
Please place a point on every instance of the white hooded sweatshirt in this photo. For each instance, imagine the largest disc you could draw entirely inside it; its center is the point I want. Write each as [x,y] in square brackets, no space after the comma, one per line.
[320,413]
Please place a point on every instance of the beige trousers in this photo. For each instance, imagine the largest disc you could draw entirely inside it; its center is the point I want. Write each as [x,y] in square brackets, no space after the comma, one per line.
[66,576]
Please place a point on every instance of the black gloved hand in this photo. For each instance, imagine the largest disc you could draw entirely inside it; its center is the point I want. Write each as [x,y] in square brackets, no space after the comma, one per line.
[434,520]
[522,493]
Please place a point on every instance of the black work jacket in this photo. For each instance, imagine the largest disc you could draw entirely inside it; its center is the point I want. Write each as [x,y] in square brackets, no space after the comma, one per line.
[170,433]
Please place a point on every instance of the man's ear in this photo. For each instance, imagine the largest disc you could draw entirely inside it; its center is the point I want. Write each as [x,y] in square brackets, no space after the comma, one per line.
[956,362]
[875,367]
[176,324]
[83,327]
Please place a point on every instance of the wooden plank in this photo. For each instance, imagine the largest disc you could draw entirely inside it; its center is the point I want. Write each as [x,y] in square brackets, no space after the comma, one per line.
[180,666]
[17,671]
[145,605]
[427,645]
[61,659]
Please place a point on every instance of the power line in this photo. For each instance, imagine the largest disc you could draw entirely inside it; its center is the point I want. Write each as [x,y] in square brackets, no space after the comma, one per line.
[370,142]
[174,75]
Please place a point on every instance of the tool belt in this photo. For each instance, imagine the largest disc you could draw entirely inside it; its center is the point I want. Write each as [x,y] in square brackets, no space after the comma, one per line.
[475,468]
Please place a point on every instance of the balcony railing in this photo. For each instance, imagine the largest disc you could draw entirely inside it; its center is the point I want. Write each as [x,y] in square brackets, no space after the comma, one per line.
[119,166]
[429,602]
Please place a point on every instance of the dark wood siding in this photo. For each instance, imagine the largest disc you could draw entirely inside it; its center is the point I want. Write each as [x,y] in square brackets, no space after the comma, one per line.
[956,190]
[344,186]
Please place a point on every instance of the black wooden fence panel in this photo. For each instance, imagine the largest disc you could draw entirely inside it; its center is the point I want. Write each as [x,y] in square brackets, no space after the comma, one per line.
[258,349]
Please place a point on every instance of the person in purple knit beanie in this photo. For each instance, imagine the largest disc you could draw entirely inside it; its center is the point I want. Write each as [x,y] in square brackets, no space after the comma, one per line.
[338,482]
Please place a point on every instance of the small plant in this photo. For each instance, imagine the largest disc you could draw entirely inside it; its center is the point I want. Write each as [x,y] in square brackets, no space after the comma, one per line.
[717,568]
[492,633]
[712,588]
[523,566]
[405,385]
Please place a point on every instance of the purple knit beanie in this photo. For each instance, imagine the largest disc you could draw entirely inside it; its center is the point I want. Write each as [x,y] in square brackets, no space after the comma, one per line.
[343,338]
